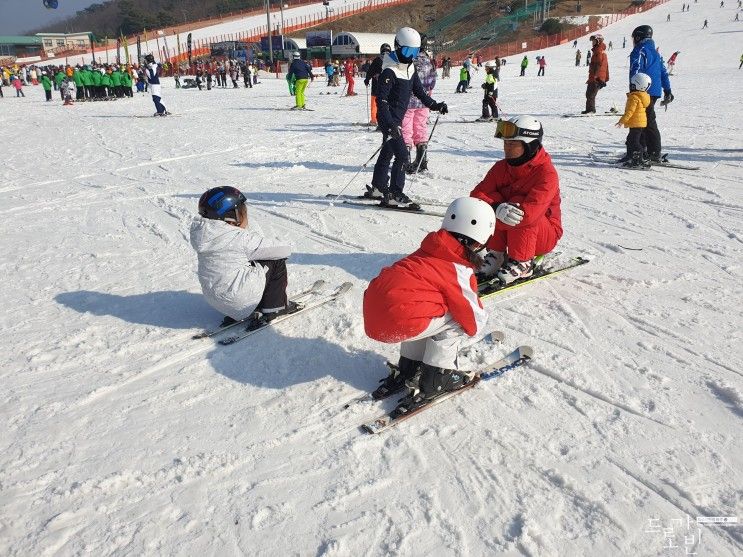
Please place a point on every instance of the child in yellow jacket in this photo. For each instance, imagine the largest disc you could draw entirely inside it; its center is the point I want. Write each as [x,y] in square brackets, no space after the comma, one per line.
[635,118]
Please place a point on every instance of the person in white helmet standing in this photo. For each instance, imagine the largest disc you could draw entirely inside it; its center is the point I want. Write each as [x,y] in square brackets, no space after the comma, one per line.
[635,118]
[489,102]
[428,302]
[524,191]
[397,82]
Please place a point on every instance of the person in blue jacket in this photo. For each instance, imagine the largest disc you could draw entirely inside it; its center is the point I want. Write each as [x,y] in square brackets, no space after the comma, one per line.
[397,82]
[644,58]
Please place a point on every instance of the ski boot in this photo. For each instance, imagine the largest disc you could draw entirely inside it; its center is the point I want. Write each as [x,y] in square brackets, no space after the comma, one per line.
[398,199]
[515,270]
[401,373]
[429,383]
[372,192]
[271,314]
[637,161]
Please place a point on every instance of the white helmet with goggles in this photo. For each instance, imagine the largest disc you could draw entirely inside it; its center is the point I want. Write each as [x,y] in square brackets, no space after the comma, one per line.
[407,44]
[520,128]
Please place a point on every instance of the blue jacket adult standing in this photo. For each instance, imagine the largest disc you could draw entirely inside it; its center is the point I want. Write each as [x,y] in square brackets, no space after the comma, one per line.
[300,69]
[645,58]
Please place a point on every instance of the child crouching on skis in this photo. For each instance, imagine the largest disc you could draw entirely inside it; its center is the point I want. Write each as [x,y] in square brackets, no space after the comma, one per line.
[428,302]
[242,274]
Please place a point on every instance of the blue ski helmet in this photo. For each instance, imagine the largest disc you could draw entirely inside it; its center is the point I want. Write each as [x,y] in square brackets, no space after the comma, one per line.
[222,203]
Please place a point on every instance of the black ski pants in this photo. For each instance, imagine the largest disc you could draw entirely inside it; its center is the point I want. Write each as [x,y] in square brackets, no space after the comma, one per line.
[274,295]
[651,135]
[634,141]
[489,108]
[392,146]
[591,90]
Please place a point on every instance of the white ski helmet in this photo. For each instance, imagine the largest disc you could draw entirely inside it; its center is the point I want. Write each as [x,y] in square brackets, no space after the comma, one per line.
[640,81]
[520,128]
[295,55]
[490,65]
[407,44]
[470,217]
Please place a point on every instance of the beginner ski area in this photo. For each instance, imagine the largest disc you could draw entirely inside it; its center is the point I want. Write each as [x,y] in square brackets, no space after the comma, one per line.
[123,436]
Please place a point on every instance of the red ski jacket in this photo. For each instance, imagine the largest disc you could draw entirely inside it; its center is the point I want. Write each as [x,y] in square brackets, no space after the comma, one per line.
[401,302]
[533,185]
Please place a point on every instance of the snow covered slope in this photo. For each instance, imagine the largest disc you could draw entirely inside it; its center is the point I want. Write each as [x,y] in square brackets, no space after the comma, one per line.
[124,437]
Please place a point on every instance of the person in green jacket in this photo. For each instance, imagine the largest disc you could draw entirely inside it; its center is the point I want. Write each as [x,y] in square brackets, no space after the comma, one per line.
[524,64]
[78,78]
[87,77]
[106,84]
[464,77]
[97,88]
[116,82]
[126,82]
[58,79]
[46,83]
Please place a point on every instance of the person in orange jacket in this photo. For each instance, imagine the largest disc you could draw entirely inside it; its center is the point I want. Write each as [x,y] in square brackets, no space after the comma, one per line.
[428,302]
[635,118]
[524,191]
[598,73]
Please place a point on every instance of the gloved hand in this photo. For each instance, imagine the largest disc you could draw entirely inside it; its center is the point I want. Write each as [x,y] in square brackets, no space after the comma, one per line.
[395,132]
[509,214]
[440,107]
[484,85]
[492,262]
[667,98]
[600,83]
[366,82]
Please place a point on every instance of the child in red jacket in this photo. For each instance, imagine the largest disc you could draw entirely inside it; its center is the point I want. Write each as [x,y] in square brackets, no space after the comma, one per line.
[524,191]
[428,302]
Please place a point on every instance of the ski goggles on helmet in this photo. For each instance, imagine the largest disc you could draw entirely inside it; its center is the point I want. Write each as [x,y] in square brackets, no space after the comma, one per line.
[410,51]
[505,129]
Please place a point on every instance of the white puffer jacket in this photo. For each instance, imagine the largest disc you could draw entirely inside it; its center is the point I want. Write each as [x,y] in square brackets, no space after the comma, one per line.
[231,282]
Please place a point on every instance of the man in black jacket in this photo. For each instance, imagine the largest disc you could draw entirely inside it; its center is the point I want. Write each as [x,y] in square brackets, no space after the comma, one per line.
[372,75]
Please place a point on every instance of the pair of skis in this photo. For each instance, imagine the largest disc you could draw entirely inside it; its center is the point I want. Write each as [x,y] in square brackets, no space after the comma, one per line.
[515,359]
[306,300]
[606,158]
[375,203]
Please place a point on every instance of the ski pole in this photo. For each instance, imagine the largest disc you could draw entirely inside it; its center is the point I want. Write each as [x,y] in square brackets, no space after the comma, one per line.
[363,166]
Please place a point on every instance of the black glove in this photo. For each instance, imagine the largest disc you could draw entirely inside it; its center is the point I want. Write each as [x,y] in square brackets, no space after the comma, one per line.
[366,82]
[395,132]
[484,85]
[667,98]
[440,107]
[600,83]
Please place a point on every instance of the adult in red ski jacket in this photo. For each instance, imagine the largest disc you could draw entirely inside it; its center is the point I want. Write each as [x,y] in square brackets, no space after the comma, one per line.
[428,301]
[524,191]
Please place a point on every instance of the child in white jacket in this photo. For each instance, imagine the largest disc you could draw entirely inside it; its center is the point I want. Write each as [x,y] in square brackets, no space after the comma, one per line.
[240,271]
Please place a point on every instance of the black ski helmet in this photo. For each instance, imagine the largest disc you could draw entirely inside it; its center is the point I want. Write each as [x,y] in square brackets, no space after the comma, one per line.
[221,203]
[150,59]
[385,48]
[642,32]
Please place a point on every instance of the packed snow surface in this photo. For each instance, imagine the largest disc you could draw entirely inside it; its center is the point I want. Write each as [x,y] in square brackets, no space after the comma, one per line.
[122,436]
